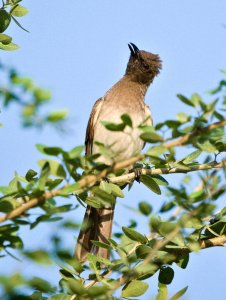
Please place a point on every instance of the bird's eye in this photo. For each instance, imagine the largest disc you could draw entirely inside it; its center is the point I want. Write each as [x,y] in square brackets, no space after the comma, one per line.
[145,66]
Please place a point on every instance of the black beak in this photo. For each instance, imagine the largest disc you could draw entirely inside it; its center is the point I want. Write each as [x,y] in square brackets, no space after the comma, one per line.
[133,49]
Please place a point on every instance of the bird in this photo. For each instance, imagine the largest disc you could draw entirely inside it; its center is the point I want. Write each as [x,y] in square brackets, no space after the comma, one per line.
[124,97]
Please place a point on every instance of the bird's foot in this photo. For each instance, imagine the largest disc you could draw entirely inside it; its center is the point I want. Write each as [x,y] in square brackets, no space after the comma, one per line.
[106,179]
[137,172]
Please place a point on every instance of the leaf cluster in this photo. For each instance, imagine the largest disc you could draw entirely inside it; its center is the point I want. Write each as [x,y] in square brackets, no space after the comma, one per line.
[189,218]
[31,99]
[10,11]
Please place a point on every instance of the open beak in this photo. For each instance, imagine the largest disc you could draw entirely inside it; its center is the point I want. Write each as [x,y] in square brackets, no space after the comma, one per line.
[133,49]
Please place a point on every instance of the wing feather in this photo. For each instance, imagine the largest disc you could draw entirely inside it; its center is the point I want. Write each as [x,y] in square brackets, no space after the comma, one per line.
[91,126]
[148,115]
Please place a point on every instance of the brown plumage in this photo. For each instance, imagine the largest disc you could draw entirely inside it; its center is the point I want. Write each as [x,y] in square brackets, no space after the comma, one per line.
[125,97]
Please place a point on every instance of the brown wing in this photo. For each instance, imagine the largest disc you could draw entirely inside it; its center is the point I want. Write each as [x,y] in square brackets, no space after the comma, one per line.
[91,125]
[97,223]
[148,116]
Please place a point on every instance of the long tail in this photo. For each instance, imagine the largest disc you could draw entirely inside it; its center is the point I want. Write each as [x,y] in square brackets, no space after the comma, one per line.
[97,225]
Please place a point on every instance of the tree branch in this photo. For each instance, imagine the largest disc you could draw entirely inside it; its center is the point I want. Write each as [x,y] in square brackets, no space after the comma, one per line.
[177,253]
[86,181]
[130,176]
[90,180]
[187,137]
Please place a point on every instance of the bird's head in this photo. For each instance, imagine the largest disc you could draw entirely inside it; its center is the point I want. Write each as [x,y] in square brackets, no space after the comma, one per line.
[142,66]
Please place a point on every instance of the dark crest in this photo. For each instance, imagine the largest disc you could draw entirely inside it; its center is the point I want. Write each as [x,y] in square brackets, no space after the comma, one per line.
[143,66]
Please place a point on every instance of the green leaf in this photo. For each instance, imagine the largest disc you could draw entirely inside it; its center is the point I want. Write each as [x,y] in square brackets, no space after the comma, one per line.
[105,150]
[40,148]
[142,251]
[207,147]
[150,183]
[58,209]
[101,245]
[103,195]
[183,262]
[41,285]
[156,150]
[60,297]
[196,99]
[159,180]
[183,118]
[65,274]
[95,291]
[185,100]
[18,24]
[146,270]
[19,11]
[221,146]
[67,271]
[45,218]
[180,166]
[39,256]
[52,150]
[162,293]
[56,169]
[135,288]
[146,128]
[116,191]
[57,116]
[219,116]
[30,175]
[127,120]
[145,208]
[113,126]
[105,186]
[42,95]
[192,156]
[5,39]
[5,19]
[75,152]
[95,202]
[93,262]
[36,296]
[151,137]
[166,275]
[72,188]
[9,47]
[155,223]
[45,172]
[8,205]
[167,206]
[134,235]
[179,294]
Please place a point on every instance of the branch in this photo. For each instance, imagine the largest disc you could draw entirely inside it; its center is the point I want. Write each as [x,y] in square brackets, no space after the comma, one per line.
[91,180]
[31,203]
[216,241]
[87,181]
[187,137]
[177,253]
[130,176]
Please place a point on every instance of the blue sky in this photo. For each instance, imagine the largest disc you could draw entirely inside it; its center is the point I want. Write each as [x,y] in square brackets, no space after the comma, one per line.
[79,50]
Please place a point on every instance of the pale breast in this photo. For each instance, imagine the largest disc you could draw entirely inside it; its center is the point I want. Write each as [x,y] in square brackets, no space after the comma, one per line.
[120,145]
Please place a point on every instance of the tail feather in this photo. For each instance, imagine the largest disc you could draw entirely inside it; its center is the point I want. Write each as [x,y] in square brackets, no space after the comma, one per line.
[97,225]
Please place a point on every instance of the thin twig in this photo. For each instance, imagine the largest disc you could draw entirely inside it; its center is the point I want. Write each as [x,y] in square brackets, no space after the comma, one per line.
[130,176]
[198,131]
[90,180]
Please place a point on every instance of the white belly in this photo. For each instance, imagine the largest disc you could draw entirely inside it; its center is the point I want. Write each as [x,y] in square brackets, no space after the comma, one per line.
[119,145]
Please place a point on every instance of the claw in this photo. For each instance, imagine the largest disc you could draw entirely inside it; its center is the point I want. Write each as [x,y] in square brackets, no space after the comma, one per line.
[137,172]
[106,179]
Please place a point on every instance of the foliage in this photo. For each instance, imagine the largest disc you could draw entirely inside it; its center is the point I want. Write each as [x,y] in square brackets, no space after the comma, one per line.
[188,221]
[30,98]
[10,11]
